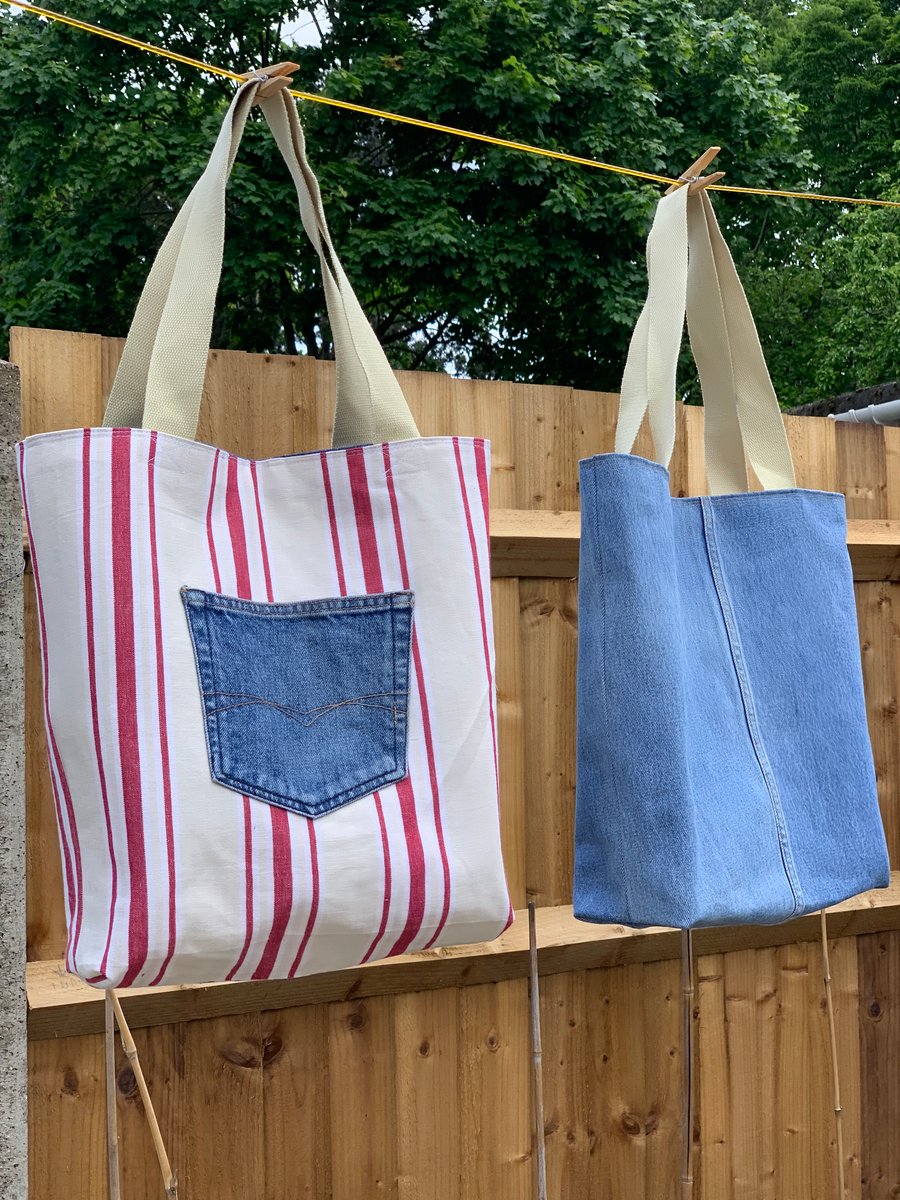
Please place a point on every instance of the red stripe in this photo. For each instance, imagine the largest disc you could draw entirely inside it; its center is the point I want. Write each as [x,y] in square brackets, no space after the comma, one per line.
[126,695]
[283,885]
[263,548]
[209,528]
[235,518]
[365,522]
[386,903]
[314,900]
[483,484]
[416,853]
[368,548]
[161,709]
[481,604]
[335,537]
[282,868]
[426,718]
[57,777]
[92,677]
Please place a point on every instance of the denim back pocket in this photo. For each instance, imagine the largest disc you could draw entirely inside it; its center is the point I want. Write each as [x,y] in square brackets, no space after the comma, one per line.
[306,704]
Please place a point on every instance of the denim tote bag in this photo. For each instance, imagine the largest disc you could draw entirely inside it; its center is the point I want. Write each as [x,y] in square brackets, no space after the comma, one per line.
[268,685]
[713,631]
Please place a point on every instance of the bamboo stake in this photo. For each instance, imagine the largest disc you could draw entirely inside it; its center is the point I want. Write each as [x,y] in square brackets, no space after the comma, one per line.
[170,1181]
[112,1124]
[536,1057]
[688,1078]
[835,1073]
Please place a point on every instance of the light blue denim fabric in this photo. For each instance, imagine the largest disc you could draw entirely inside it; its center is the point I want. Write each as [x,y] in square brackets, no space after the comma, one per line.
[305,704]
[725,771]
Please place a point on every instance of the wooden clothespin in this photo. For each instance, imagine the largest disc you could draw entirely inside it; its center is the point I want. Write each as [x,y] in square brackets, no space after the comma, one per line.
[692,175]
[274,78]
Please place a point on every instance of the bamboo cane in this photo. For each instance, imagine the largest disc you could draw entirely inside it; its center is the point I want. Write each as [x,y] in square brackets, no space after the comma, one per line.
[835,1073]
[688,1078]
[170,1182]
[536,1057]
[112,1124]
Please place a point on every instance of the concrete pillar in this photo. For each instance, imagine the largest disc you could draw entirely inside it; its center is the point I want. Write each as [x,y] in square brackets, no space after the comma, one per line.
[13,1036]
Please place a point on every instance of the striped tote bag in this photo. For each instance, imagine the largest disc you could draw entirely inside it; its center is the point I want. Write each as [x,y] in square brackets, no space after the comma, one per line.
[268,685]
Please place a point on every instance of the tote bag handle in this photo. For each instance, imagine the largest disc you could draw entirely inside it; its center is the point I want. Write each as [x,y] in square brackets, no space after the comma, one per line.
[159,382]
[691,272]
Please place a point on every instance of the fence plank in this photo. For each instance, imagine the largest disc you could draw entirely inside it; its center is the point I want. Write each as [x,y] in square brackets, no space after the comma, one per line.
[878,611]
[511,733]
[426,1078]
[223,1143]
[879,1044]
[363,1102]
[714,1083]
[549,642]
[572,1147]
[67,1120]
[162,1055]
[296,1130]
[494,1066]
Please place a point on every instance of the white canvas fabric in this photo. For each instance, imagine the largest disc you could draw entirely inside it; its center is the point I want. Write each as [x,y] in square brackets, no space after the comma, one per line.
[170,876]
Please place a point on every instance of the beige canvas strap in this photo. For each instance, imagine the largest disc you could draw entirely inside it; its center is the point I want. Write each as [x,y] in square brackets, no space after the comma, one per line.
[160,378]
[691,273]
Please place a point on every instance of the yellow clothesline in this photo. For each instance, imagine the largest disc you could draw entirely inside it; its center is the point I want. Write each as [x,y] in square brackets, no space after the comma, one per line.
[434,126]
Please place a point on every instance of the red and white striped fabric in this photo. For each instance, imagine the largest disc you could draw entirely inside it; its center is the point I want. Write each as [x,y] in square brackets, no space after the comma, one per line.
[169,876]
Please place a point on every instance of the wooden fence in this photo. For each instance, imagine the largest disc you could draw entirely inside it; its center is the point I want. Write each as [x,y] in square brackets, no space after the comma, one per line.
[410,1080]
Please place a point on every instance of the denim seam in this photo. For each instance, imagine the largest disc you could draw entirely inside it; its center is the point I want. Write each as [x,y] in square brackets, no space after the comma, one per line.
[394,680]
[199,647]
[402,726]
[213,727]
[601,581]
[314,809]
[740,666]
[383,602]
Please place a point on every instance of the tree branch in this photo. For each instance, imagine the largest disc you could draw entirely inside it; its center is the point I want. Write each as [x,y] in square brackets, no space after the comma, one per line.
[430,344]
[290,336]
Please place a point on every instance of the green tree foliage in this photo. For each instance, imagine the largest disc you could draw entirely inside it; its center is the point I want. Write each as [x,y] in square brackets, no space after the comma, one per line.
[842,59]
[100,146]
[824,280]
[496,263]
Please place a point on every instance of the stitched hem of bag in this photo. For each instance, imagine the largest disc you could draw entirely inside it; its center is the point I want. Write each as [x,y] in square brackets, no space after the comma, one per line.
[639,460]
[737,655]
[601,587]
[208,447]
[458,934]
[582,914]
[374,602]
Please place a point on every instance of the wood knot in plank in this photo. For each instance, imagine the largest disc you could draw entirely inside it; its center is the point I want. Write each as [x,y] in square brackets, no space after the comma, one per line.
[272,1049]
[358,1019]
[126,1083]
[241,1053]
